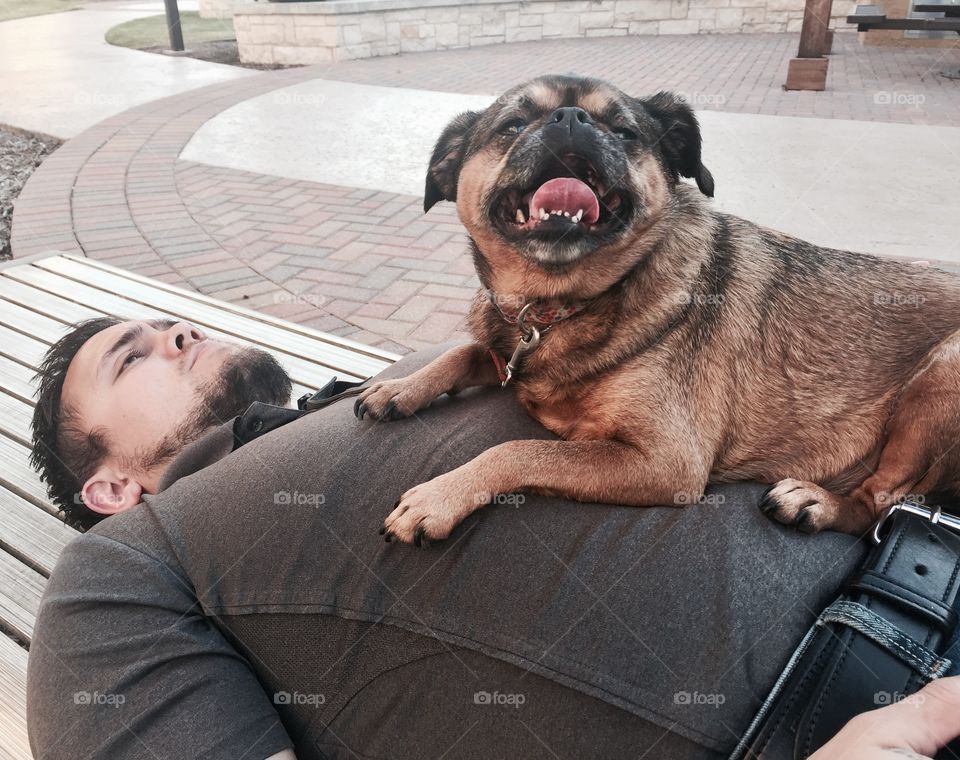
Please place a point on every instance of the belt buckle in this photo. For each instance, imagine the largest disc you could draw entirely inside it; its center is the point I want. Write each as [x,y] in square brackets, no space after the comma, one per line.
[935,516]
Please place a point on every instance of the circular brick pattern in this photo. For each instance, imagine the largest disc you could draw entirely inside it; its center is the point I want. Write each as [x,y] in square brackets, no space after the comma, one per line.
[370,265]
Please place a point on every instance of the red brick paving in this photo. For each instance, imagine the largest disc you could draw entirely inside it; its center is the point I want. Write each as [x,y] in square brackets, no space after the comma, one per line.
[370,265]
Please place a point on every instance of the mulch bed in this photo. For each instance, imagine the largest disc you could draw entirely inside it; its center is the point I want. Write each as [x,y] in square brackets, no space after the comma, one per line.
[223,51]
[20,153]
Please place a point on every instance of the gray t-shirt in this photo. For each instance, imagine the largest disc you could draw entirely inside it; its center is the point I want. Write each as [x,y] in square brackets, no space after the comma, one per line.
[252,606]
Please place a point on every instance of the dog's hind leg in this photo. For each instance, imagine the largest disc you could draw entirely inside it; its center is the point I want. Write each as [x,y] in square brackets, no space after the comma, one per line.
[921,454]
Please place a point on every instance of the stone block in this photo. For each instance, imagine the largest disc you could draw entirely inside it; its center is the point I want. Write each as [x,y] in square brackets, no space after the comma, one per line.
[730,18]
[679,26]
[353,52]
[644,10]
[606,32]
[703,14]
[491,26]
[524,34]
[763,28]
[644,27]
[316,35]
[445,15]
[267,34]
[596,20]
[492,39]
[301,56]
[373,27]
[350,34]
[384,48]
[447,35]
[417,45]
[561,25]
[251,53]
[785,5]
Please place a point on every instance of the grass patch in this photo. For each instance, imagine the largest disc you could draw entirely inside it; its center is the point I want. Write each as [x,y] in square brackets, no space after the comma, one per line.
[11,9]
[151,32]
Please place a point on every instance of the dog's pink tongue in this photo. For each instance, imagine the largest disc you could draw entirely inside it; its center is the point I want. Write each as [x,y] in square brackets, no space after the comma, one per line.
[566,194]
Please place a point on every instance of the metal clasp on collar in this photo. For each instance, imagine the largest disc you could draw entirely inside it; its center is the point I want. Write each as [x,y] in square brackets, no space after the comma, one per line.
[935,516]
[529,340]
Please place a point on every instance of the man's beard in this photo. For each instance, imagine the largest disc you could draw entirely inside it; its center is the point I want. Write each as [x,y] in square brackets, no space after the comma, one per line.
[246,376]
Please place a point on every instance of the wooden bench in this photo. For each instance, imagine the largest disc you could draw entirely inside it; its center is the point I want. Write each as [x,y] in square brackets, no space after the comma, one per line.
[868,17]
[39,297]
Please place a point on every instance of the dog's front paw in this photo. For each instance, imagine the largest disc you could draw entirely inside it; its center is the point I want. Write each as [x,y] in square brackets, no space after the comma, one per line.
[801,504]
[430,511]
[392,399]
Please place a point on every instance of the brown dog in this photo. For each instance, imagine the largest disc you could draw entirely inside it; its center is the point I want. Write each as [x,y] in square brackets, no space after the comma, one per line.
[678,346]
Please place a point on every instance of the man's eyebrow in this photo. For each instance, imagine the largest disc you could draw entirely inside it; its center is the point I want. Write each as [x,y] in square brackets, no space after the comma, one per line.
[132,335]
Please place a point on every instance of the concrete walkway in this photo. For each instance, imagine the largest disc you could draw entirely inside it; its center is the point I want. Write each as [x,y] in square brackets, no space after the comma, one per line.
[865,186]
[298,192]
[60,76]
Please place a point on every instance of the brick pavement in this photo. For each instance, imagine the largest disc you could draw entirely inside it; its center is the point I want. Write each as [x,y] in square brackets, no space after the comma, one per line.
[369,265]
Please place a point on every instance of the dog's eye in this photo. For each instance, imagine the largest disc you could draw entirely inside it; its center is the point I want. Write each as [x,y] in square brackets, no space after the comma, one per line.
[513,127]
[624,134]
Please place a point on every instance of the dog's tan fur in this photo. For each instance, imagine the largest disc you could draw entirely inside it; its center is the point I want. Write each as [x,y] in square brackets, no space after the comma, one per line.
[715,351]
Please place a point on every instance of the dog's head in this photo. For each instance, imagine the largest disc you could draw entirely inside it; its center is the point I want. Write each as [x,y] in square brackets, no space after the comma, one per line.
[562,167]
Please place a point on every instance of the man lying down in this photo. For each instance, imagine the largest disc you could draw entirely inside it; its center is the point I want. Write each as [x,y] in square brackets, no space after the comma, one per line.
[237,602]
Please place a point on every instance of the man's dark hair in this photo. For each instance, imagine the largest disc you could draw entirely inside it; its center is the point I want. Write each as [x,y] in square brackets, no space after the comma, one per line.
[63,452]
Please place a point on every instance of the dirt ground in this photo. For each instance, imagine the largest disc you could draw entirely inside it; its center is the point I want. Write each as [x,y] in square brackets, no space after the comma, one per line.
[20,153]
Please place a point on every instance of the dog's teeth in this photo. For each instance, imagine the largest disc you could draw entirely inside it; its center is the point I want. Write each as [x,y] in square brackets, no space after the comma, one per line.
[566,213]
[544,215]
[578,216]
[520,217]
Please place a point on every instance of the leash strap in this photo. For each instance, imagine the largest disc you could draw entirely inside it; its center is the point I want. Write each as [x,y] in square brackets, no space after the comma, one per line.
[881,641]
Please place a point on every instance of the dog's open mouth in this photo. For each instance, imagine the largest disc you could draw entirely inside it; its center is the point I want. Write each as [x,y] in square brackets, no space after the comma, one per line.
[568,195]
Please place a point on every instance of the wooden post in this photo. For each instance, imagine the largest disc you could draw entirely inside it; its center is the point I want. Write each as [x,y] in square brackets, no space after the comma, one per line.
[808,71]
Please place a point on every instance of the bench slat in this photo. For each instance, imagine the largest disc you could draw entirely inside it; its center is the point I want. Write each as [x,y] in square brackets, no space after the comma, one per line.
[66,312]
[18,476]
[20,590]
[29,532]
[307,372]
[19,347]
[220,315]
[16,380]
[223,306]
[15,418]
[14,744]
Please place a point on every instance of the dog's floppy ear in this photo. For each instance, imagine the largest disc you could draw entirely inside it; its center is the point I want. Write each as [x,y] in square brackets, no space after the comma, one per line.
[679,138]
[447,159]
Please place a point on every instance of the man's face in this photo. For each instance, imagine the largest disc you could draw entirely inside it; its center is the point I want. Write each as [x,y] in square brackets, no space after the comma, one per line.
[152,387]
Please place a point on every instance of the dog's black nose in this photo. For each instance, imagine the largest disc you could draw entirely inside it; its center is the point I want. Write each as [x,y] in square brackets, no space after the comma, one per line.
[569,117]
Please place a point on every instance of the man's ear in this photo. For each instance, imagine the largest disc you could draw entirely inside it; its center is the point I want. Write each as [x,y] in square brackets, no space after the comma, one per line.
[108,492]
[447,159]
[679,138]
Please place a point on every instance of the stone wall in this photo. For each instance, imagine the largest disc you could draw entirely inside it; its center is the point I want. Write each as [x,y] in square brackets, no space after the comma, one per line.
[218,8]
[345,29]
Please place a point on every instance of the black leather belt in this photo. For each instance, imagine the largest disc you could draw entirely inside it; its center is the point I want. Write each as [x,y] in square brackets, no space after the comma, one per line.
[882,640]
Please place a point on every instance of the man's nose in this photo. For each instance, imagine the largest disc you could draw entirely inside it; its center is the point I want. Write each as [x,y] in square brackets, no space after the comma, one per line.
[179,337]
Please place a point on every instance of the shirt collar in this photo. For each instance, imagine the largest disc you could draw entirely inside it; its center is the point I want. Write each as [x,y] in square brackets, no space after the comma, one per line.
[214,445]
[259,419]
